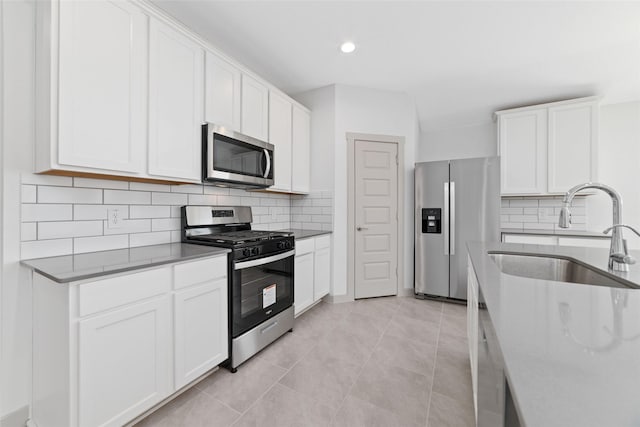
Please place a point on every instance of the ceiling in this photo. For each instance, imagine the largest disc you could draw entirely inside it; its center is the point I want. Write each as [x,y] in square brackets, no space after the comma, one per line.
[458,61]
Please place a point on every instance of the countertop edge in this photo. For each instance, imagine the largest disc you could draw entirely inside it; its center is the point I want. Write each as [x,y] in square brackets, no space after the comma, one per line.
[214,251]
[566,233]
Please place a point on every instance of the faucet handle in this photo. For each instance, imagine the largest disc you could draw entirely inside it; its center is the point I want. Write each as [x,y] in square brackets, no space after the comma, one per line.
[621,226]
[623,258]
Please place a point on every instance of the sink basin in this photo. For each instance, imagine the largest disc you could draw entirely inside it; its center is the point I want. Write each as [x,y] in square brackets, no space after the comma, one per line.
[554,268]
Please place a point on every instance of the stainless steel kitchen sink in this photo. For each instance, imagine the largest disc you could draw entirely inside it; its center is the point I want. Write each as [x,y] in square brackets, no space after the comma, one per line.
[558,269]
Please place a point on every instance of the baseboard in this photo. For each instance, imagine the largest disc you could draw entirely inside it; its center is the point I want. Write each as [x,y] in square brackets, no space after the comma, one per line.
[17,418]
[337,299]
[405,292]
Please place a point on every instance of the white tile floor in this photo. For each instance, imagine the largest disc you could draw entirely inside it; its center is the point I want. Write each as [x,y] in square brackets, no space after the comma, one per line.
[379,362]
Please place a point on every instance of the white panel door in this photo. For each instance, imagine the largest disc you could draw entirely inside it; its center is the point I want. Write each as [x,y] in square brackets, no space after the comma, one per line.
[522,149]
[376,219]
[222,82]
[176,104]
[322,273]
[303,282]
[102,85]
[572,145]
[280,137]
[301,147]
[123,359]
[255,108]
[200,330]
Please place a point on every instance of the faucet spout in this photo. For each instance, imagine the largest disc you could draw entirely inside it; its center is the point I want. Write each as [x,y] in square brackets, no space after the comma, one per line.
[619,258]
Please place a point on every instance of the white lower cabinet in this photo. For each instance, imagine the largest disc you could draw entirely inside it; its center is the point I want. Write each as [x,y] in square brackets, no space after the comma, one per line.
[106,350]
[472,329]
[201,340]
[123,362]
[312,271]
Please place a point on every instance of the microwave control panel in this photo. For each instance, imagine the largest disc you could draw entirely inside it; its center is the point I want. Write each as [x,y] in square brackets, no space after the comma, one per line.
[431,220]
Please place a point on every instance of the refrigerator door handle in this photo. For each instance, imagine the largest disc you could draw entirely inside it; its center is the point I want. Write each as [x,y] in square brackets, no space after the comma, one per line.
[445,219]
[452,232]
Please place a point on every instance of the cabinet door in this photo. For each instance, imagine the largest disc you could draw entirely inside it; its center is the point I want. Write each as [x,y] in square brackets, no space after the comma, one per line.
[522,149]
[572,145]
[123,359]
[303,282]
[280,137]
[102,86]
[222,102]
[530,240]
[472,329]
[255,108]
[200,330]
[176,102]
[322,273]
[301,144]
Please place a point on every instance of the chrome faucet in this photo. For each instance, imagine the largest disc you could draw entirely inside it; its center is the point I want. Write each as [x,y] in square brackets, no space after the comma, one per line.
[619,258]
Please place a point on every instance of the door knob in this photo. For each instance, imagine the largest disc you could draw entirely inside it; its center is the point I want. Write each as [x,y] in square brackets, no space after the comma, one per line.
[361,228]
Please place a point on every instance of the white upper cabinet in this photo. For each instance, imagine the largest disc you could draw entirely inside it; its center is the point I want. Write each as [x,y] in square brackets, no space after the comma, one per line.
[91,86]
[222,92]
[255,108]
[176,102]
[280,136]
[522,148]
[573,135]
[548,148]
[301,145]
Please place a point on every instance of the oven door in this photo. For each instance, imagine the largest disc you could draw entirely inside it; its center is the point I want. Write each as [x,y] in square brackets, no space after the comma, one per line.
[234,158]
[260,289]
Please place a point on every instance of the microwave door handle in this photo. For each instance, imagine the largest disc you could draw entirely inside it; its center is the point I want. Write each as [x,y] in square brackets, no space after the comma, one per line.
[268,167]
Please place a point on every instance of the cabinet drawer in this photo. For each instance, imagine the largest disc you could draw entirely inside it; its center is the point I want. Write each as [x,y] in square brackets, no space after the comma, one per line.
[191,273]
[305,246]
[116,291]
[323,242]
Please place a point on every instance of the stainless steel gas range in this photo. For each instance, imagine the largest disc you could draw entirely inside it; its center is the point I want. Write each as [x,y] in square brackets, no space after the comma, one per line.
[260,271]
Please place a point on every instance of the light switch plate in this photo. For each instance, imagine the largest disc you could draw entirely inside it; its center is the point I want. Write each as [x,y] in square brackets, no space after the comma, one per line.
[113,218]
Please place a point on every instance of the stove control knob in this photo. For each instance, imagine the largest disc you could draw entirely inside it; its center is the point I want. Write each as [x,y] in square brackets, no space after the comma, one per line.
[255,251]
[246,252]
[287,244]
[281,245]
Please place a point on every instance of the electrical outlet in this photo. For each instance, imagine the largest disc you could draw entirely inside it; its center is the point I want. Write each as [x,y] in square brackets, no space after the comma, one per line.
[113,218]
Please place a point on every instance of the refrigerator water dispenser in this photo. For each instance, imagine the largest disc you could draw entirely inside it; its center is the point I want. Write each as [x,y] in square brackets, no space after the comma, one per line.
[431,219]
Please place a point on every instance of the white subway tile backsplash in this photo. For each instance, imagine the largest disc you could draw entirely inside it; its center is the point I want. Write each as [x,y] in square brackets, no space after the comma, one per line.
[512,211]
[204,199]
[100,183]
[36,212]
[145,211]
[540,213]
[539,226]
[525,203]
[47,194]
[516,225]
[28,231]
[64,229]
[28,194]
[45,248]
[146,239]
[169,199]
[165,224]
[523,218]
[35,179]
[121,197]
[100,243]
[145,186]
[529,211]
[128,226]
[89,212]
[62,215]
[187,188]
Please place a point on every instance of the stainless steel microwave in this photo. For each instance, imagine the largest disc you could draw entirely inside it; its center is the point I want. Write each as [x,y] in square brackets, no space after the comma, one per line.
[235,160]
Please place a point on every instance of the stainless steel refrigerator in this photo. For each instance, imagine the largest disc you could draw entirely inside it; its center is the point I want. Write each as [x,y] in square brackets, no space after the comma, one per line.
[456,201]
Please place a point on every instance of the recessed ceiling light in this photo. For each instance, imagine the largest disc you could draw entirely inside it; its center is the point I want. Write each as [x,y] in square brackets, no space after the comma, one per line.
[347,47]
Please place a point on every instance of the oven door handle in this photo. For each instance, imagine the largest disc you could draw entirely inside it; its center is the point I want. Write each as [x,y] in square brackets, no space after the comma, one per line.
[262,261]
[267,168]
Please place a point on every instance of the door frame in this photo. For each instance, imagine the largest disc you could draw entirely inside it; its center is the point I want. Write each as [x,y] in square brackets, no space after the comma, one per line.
[351,190]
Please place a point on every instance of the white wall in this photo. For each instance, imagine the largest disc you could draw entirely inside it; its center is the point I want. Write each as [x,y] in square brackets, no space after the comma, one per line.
[18,135]
[343,109]
[618,166]
[458,143]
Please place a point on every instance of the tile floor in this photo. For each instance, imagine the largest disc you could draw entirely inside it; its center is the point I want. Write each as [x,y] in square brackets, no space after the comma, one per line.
[394,361]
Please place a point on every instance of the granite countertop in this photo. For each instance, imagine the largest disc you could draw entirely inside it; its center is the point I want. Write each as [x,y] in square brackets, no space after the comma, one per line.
[304,234]
[70,268]
[571,351]
[568,232]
